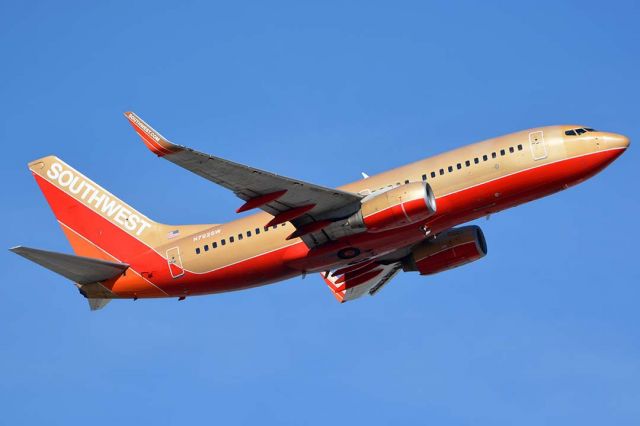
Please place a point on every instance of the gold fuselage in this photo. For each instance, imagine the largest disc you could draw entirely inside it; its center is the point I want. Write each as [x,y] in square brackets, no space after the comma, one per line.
[448,173]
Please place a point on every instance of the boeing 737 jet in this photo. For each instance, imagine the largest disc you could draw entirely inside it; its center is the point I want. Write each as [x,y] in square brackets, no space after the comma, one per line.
[356,237]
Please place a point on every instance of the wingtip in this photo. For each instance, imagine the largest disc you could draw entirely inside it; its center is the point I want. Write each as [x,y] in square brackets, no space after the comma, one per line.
[156,143]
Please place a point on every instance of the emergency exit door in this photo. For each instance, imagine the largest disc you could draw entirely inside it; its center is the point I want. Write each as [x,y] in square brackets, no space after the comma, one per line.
[175,262]
[538,145]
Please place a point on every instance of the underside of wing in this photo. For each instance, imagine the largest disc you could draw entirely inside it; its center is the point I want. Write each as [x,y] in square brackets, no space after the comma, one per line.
[354,281]
[317,212]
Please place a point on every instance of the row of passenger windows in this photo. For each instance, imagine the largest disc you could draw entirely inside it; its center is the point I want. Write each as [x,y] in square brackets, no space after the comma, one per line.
[233,238]
[458,166]
[575,132]
[476,160]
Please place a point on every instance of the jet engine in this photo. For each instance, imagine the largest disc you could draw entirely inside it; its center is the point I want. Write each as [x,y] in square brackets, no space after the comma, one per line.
[397,207]
[448,250]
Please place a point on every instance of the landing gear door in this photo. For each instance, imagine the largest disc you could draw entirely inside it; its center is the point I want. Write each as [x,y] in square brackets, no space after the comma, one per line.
[538,145]
[175,262]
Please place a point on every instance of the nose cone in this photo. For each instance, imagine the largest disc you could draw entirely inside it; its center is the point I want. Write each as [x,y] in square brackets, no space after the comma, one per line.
[622,141]
[615,140]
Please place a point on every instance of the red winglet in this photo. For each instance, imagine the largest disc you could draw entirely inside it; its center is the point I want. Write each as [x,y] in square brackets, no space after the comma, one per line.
[260,200]
[307,229]
[151,138]
[290,215]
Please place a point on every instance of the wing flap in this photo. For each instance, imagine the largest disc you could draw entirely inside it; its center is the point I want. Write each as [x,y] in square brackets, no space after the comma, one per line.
[353,282]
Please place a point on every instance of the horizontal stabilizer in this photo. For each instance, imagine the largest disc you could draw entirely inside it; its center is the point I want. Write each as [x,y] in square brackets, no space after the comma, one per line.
[79,269]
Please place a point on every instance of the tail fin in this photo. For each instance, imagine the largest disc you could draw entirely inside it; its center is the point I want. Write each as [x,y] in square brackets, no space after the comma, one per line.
[97,223]
[100,226]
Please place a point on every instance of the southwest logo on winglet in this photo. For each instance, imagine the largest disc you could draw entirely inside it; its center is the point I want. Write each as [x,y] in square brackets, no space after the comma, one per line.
[144,127]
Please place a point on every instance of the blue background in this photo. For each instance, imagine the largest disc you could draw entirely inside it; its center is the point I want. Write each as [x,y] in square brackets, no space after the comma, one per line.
[544,330]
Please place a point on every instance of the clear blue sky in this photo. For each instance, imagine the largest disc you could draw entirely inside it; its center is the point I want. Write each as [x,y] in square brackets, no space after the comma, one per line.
[544,330]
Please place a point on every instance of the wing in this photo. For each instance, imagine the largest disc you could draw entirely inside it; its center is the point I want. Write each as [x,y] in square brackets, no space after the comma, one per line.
[314,210]
[366,277]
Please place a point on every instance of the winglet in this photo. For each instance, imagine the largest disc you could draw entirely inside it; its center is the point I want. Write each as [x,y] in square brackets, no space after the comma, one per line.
[157,143]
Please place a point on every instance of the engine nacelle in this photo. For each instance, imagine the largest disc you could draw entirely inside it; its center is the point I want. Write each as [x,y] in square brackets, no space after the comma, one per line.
[448,250]
[397,207]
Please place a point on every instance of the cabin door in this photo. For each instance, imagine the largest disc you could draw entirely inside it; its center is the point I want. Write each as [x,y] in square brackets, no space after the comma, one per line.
[175,262]
[538,145]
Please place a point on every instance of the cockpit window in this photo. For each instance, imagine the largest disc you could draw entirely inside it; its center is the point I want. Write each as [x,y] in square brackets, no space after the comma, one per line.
[574,132]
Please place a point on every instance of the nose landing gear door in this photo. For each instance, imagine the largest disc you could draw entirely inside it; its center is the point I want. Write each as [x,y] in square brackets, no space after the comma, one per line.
[175,262]
[538,145]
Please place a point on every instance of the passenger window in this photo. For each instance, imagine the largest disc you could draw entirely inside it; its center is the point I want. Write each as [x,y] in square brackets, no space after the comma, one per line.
[450,168]
[476,160]
[266,229]
[206,247]
[231,239]
[240,236]
[502,152]
[459,166]
[257,231]
[214,245]
[441,172]
[248,233]
[424,177]
[223,242]
[493,155]
[519,147]
[197,250]
[485,158]
[570,133]
[467,163]
[511,149]
[406,181]
[433,174]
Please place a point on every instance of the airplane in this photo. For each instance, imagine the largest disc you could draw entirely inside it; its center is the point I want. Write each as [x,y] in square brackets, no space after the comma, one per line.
[356,237]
